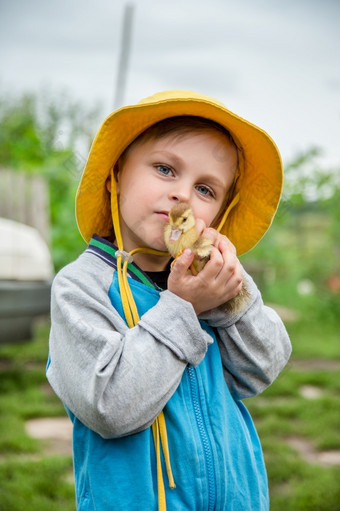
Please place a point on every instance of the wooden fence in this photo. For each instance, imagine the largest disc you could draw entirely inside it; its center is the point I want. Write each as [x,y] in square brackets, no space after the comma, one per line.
[24,198]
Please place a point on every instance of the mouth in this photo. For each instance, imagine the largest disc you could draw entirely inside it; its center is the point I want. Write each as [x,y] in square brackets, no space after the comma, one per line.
[164,215]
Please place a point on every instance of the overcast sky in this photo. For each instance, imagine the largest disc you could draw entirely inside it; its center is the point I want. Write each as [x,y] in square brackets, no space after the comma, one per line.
[274,62]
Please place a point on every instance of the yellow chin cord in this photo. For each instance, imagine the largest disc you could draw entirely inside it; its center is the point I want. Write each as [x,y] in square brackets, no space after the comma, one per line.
[131,314]
[227,211]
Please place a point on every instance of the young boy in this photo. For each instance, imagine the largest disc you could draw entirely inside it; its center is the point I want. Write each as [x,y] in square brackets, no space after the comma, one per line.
[153,390]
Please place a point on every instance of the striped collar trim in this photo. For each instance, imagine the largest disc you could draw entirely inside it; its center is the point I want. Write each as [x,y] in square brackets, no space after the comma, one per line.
[106,251]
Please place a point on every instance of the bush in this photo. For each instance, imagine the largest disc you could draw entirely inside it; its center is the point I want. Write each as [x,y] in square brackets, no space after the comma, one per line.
[50,137]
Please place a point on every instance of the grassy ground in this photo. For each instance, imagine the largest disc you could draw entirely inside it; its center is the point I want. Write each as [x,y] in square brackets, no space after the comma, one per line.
[284,417]
[300,430]
[29,480]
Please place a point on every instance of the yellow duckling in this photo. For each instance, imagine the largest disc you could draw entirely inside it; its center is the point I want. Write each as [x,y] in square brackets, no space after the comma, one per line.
[180,233]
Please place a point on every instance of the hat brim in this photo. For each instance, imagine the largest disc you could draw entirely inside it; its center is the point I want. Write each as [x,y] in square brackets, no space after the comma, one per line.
[259,185]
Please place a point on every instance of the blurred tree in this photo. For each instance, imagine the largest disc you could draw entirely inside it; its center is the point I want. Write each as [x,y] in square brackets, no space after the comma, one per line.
[50,137]
[303,244]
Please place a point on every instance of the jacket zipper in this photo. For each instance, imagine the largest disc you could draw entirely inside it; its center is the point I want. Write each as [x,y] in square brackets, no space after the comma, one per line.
[204,437]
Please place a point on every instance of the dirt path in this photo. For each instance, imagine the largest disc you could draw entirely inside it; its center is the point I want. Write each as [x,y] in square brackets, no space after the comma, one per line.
[307,451]
[55,432]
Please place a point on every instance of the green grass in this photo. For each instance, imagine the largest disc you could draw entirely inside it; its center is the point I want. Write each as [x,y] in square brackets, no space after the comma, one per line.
[36,485]
[315,339]
[29,480]
[282,412]
[32,481]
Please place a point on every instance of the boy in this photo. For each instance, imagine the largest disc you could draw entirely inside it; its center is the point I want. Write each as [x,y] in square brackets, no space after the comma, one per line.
[127,349]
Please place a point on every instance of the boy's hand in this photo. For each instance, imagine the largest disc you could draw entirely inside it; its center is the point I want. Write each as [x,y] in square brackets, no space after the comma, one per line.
[219,281]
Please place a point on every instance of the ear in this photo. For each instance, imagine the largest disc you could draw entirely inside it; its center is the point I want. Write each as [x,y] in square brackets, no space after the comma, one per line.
[108,184]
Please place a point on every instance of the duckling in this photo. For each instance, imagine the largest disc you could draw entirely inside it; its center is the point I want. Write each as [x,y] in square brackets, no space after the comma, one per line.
[180,233]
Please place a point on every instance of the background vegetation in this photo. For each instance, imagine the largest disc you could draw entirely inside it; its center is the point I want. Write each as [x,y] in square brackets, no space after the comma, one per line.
[297,267]
[50,137]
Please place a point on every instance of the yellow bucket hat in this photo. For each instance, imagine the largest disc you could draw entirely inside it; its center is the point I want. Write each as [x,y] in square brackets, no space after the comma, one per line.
[258,186]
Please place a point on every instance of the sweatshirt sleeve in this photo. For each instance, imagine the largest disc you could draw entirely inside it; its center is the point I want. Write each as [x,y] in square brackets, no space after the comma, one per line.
[116,380]
[253,342]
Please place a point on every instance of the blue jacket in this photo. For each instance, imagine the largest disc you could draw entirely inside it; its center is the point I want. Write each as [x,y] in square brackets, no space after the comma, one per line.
[215,452]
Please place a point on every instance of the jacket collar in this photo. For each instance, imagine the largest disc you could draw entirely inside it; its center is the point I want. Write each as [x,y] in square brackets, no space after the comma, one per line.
[106,251]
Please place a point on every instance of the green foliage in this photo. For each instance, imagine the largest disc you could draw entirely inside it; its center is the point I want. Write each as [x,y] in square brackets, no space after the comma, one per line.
[302,247]
[43,136]
[20,143]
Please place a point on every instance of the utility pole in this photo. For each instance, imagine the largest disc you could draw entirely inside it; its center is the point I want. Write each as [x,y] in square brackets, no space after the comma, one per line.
[124,55]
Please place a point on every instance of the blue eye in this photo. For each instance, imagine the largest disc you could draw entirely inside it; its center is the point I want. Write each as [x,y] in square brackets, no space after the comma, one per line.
[204,190]
[164,169]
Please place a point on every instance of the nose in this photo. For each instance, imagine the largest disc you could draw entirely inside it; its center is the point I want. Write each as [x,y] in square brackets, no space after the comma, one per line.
[180,193]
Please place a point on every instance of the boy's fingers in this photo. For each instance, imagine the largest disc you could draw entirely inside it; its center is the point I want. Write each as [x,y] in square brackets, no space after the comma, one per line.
[213,266]
[183,262]
[226,244]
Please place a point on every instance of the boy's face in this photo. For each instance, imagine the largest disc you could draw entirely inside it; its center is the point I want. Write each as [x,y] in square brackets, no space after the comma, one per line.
[197,168]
